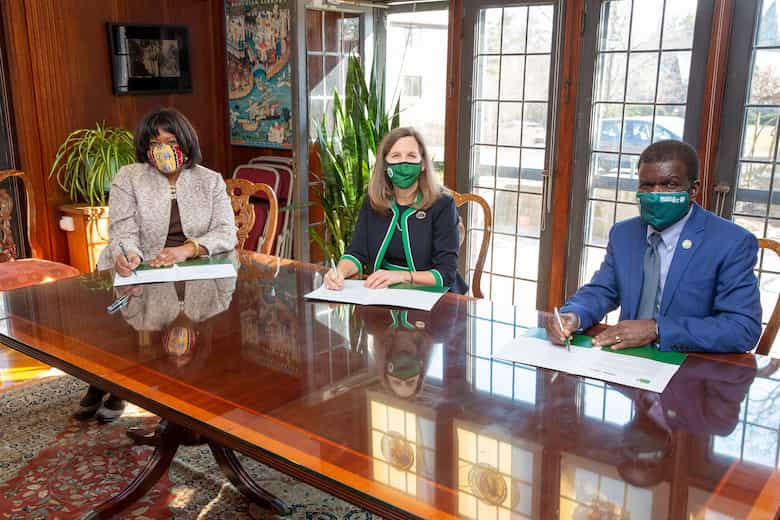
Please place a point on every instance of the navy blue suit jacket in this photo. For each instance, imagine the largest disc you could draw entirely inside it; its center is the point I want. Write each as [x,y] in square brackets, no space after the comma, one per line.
[710,301]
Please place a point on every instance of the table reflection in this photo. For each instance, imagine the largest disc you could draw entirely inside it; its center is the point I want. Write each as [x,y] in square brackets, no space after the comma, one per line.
[175,316]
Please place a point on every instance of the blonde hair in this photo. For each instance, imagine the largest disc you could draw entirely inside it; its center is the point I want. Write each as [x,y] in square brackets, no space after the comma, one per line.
[380,189]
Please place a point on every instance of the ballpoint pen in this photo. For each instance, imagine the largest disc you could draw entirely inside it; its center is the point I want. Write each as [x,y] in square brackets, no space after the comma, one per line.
[124,253]
[567,342]
[118,304]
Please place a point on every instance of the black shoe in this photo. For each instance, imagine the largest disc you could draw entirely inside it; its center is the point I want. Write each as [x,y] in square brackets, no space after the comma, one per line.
[89,404]
[111,410]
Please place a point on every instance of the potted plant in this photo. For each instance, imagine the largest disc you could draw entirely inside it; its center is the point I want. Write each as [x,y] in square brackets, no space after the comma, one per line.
[84,167]
[347,156]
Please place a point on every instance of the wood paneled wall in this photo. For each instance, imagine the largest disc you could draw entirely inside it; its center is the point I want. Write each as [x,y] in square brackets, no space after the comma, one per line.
[60,80]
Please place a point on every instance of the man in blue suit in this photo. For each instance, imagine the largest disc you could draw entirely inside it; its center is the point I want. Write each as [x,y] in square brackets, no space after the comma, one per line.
[682,276]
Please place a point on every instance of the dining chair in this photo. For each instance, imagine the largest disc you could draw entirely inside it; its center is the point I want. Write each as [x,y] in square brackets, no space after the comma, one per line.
[487,232]
[21,272]
[770,332]
[240,191]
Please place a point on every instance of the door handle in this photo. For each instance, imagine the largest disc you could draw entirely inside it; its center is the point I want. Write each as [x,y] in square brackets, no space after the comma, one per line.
[721,191]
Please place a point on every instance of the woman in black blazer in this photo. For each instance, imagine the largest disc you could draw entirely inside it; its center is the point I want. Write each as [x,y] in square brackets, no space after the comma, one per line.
[407,230]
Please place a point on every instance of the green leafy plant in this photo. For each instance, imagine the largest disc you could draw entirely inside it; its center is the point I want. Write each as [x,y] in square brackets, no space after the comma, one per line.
[89,158]
[347,155]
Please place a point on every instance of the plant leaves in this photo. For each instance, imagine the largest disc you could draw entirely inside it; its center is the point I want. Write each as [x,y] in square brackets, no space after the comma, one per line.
[88,159]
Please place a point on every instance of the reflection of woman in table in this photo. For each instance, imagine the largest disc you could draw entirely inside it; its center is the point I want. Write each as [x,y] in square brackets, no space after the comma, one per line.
[403,341]
[176,315]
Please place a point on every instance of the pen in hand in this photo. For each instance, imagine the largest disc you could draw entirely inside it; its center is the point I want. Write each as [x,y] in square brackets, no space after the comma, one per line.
[124,253]
[566,340]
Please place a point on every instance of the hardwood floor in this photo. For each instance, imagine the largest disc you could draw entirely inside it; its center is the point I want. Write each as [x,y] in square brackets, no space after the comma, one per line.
[16,368]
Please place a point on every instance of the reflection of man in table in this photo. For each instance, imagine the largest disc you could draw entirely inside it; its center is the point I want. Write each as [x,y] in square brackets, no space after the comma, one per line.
[703,398]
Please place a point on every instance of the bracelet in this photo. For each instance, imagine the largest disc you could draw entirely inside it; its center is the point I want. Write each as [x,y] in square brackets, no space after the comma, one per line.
[195,245]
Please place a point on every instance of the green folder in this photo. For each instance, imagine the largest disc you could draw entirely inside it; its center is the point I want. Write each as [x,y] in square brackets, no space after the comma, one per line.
[204,260]
[418,287]
[647,351]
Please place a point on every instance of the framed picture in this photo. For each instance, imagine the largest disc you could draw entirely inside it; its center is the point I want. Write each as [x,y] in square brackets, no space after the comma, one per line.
[149,59]
[258,72]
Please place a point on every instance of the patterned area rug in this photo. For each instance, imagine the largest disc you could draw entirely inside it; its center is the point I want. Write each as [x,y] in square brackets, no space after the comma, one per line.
[54,467]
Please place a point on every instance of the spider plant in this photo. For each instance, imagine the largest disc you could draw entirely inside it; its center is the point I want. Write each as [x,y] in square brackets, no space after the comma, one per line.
[347,155]
[89,158]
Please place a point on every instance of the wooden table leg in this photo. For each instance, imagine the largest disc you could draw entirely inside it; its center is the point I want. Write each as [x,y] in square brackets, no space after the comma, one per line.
[237,475]
[170,436]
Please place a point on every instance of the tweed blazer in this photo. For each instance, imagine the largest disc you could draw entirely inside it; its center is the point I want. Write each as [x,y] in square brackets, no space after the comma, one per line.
[140,210]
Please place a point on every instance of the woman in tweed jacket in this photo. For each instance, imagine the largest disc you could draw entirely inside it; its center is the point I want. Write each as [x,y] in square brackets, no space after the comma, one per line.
[163,209]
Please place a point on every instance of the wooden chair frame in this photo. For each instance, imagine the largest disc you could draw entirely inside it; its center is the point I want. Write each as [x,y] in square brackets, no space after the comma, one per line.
[770,332]
[30,216]
[460,200]
[239,191]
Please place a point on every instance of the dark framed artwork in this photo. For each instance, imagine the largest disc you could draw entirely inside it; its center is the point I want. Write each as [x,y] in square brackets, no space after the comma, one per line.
[149,59]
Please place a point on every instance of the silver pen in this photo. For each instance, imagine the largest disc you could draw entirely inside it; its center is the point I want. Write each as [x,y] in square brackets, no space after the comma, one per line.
[567,342]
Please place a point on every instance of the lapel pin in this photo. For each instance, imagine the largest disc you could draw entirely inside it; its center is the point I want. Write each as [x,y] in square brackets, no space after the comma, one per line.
[420,215]
[687,244]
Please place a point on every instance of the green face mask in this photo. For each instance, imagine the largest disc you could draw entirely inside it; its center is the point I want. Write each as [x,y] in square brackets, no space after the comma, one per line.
[662,209]
[404,174]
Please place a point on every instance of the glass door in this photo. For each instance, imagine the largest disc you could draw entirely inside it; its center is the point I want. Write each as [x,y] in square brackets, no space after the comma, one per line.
[509,57]
[748,176]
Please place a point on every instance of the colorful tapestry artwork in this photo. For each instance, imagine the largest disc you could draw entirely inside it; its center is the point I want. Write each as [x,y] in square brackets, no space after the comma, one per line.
[258,72]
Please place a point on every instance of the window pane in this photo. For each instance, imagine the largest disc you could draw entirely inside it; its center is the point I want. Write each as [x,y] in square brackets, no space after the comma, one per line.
[313,30]
[674,74]
[529,213]
[642,74]
[332,31]
[510,124]
[679,24]
[646,30]
[515,19]
[607,127]
[490,31]
[752,197]
[487,78]
[505,211]
[611,77]
[768,28]
[615,21]
[537,77]
[760,134]
[540,27]
[350,34]
[483,166]
[485,114]
[600,219]
[527,248]
[765,82]
[512,74]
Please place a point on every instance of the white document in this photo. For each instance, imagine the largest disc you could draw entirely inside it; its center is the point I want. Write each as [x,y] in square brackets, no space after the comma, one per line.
[355,292]
[636,372]
[178,272]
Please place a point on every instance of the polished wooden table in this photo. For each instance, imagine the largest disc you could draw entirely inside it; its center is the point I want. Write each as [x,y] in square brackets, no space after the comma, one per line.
[406,413]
